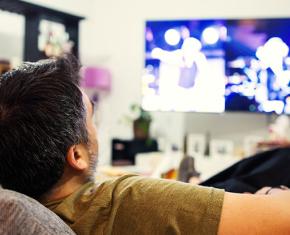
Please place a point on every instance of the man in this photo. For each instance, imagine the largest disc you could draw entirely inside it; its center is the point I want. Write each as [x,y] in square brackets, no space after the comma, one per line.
[48,151]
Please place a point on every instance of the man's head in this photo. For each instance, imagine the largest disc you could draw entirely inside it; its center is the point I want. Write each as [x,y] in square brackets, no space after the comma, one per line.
[46,126]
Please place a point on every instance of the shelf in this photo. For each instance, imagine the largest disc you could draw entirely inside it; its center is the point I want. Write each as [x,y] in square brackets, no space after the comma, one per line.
[33,15]
[25,8]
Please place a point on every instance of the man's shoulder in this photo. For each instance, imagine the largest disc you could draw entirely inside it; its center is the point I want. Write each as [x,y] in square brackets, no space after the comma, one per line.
[163,203]
[131,198]
[112,188]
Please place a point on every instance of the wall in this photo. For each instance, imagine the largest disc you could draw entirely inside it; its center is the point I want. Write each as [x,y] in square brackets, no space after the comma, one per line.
[119,43]
[12,38]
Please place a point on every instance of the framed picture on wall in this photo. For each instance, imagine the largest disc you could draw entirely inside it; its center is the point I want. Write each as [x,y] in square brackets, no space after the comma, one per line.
[195,144]
[219,147]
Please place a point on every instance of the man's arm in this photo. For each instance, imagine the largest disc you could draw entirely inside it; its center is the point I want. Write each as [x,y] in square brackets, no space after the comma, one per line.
[255,214]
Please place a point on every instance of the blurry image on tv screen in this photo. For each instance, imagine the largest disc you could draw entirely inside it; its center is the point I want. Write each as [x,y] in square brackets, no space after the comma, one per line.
[217,65]
[258,65]
[184,66]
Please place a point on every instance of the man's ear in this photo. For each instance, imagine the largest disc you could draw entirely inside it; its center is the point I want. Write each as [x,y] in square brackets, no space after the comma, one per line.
[76,158]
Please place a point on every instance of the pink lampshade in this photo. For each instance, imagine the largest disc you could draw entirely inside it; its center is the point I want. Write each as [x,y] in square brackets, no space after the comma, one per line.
[96,78]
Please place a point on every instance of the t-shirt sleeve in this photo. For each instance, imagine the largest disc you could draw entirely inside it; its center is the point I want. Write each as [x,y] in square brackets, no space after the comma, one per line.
[152,206]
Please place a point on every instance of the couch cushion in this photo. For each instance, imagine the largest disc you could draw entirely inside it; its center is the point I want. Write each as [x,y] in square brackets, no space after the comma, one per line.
[20,214]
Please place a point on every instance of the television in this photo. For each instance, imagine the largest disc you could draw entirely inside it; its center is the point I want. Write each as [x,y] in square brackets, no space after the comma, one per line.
[217,65]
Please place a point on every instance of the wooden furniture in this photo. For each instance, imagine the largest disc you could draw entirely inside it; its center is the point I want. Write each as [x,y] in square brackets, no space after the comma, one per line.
[124,151]
[4,66]
[33,15]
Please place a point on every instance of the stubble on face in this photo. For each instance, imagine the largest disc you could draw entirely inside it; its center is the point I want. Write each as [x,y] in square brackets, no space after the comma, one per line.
[92,146]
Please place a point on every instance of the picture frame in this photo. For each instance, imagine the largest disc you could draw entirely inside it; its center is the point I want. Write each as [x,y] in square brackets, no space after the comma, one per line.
[221,148]
[195,144]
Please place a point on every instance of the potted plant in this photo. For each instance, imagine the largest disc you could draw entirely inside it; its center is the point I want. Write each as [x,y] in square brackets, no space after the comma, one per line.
[140,120]
[141,124]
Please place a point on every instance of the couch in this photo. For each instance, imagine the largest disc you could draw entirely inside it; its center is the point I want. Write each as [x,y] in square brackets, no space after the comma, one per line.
[21,215]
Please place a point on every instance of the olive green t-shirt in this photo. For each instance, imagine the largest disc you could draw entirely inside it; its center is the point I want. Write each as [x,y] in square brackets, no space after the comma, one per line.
[138,205]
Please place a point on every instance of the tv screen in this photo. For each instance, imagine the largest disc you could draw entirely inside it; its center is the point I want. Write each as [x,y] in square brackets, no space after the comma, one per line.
[217,65]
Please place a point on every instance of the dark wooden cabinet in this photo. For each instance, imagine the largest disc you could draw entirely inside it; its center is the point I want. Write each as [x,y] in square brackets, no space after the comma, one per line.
[33,15]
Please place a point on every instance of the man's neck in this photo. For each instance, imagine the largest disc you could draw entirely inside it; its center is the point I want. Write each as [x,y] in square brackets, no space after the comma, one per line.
[63,188]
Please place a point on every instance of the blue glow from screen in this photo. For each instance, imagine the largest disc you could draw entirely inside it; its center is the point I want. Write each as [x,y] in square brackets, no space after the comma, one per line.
[217,65]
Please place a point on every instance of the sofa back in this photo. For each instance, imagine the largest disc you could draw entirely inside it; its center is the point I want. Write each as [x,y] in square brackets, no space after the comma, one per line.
[21,215]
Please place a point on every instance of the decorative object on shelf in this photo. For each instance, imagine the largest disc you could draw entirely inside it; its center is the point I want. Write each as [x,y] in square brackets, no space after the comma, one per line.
[223,148]
[187,171]
[4,66]
[278,134]
[279,129]
[195,144]
[141,122]
[169,165]
[53,40]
